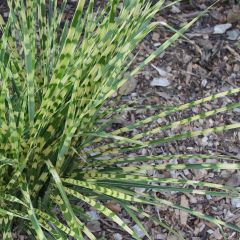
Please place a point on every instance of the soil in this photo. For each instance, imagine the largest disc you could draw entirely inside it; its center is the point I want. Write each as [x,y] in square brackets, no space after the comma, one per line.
[201,64]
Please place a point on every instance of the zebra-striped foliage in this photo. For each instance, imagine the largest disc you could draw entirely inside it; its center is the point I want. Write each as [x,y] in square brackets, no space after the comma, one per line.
[55,84]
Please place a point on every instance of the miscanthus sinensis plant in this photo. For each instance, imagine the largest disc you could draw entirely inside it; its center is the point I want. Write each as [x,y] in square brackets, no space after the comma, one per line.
[55,151]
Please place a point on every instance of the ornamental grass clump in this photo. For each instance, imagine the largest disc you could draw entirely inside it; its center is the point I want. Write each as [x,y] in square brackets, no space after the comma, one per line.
[56,151]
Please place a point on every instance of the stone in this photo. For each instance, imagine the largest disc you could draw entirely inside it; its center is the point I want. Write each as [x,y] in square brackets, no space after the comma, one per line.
[155,36]
[117,236]
[93,215]
[233,34]
[175,9]
[221,28]
[235,202]
[138,231]
[94,226]
[160,82]
[128,87]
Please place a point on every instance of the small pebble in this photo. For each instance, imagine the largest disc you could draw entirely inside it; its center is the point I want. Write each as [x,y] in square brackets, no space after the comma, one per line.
[117,236]
[93,215]
[138,231]
[235,202]
[94,226]
[160,82]
[175,9]
[233,34]
[222,28]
